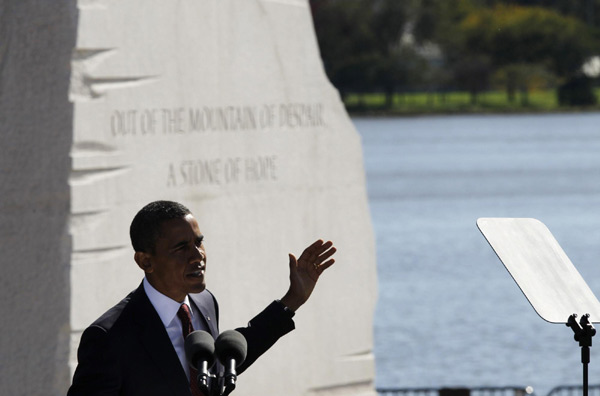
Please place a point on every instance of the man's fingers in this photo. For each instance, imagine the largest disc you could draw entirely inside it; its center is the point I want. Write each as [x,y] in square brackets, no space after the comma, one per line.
[325,255]
[325,265]
[312,253]
[293,261]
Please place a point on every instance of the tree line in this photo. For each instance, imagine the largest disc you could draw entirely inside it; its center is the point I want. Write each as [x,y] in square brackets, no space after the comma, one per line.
[393,46]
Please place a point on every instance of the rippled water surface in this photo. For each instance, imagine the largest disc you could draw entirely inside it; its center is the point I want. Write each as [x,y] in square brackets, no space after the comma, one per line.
[448,313]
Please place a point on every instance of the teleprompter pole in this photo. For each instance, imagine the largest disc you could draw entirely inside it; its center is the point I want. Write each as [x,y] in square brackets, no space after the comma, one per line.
[584,331]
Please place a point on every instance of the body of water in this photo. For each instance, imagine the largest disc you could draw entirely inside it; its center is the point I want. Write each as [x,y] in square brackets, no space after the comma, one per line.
[448,313]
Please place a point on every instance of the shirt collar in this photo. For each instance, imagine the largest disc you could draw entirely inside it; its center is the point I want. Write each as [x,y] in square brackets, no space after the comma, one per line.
[165,307]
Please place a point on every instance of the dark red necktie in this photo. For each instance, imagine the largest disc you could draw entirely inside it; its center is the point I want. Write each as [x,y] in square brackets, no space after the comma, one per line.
[186,327]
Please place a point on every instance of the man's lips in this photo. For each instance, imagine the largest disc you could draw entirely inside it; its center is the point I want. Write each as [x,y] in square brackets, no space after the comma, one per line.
[197,274]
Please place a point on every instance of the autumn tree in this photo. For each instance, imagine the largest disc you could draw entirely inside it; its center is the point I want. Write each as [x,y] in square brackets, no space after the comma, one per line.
[520,40]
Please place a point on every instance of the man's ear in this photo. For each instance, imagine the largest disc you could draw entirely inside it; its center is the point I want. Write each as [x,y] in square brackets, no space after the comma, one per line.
[144,261]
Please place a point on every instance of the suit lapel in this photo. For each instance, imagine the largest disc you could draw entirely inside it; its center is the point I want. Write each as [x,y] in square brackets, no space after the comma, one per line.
[207,306]
[157,343]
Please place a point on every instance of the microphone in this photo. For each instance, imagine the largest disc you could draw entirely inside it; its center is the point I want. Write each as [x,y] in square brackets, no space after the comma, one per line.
[199,349]
[231,348]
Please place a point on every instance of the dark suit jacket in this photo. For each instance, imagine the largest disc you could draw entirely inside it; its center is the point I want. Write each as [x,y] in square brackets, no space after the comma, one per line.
[127,351]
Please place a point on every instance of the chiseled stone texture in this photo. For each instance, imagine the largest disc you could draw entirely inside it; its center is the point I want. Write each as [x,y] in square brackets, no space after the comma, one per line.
[222,105]
[36,41]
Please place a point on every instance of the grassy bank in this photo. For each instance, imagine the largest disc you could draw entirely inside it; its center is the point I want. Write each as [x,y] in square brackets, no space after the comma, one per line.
[459,102]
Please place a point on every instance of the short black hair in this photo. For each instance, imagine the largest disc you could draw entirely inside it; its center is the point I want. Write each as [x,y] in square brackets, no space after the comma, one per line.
[145,227]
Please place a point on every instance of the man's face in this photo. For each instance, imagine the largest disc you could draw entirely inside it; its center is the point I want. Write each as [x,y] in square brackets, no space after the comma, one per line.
[177,266]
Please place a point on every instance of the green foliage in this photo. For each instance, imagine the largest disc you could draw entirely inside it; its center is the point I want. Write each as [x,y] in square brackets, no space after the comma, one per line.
[514,34]
[517,45]
[529,44]
[539,101]
[360,44]
[577,92]
[346,42]
[522,77]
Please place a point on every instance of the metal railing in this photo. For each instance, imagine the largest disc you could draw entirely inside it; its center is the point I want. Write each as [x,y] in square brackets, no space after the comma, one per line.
[574,390]
[562,390]
[476,391]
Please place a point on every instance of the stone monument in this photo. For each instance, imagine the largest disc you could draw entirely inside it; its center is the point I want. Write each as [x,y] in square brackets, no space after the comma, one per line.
[222,105]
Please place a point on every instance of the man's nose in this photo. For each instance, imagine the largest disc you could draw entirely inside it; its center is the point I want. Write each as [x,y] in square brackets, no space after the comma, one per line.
[199,254]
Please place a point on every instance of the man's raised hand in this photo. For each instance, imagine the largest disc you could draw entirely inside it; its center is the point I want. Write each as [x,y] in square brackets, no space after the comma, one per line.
[305,272]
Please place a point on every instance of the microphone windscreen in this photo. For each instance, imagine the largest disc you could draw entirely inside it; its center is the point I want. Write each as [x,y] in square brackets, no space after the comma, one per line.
[199,346]
[231,344]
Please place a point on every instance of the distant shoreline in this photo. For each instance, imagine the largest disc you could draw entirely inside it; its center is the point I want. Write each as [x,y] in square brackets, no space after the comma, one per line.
[385,114]
[453,103]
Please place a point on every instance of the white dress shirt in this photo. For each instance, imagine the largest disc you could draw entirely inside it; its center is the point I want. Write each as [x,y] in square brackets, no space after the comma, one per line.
[167,310]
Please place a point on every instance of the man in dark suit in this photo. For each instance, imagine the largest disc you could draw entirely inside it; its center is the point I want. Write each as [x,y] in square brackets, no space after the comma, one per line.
[136,348]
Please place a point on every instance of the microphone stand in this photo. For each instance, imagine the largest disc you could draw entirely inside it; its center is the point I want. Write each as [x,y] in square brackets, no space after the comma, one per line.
[584,331]
[204,379]
[230,378]
[217,385]
[207,384]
